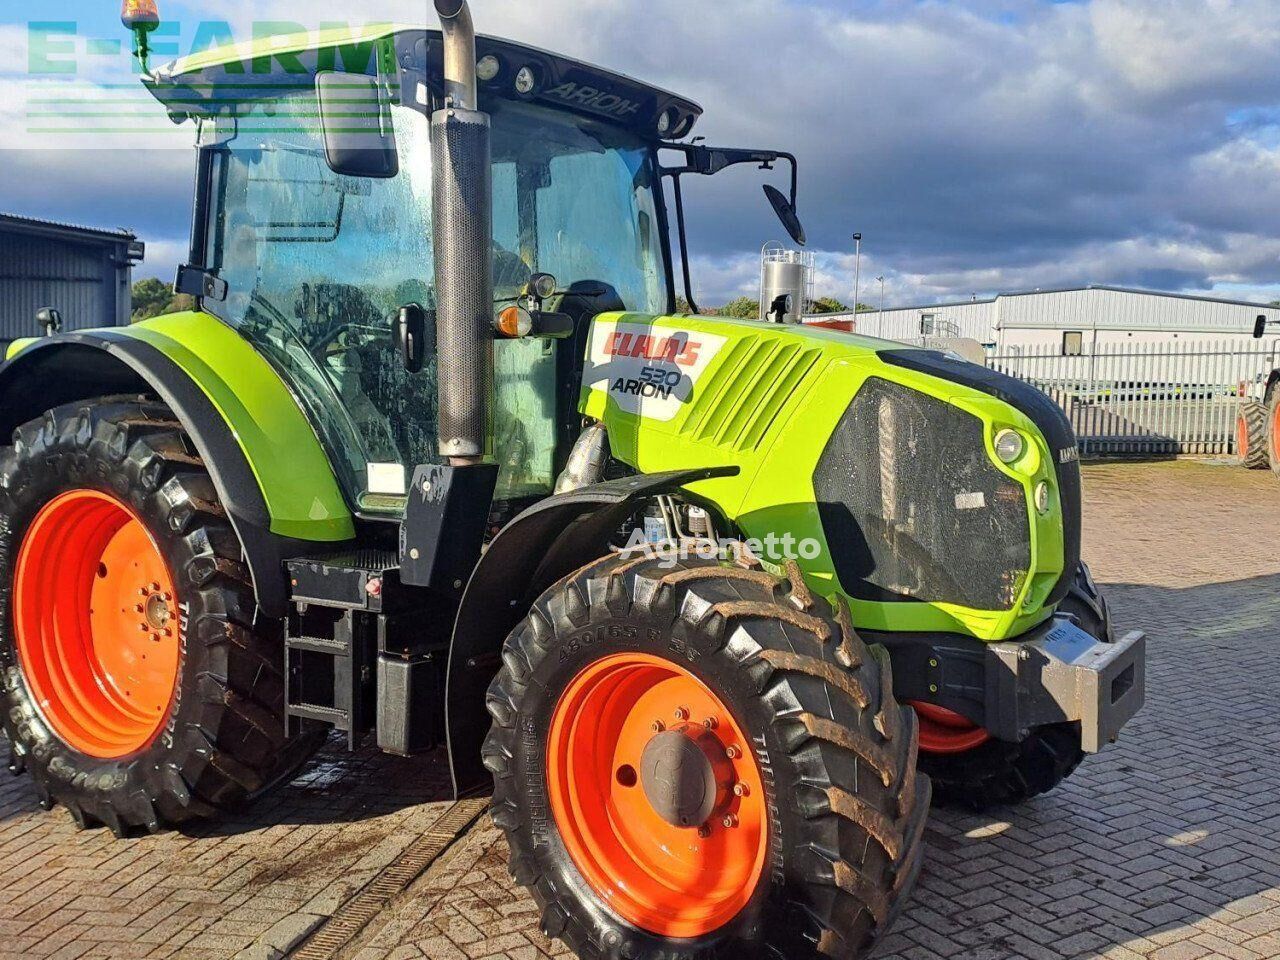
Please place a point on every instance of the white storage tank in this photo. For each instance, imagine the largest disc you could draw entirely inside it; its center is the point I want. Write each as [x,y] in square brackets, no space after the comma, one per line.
[785,272]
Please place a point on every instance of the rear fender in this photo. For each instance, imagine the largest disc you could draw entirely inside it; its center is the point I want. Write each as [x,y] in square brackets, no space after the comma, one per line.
[540,547]
[141,359]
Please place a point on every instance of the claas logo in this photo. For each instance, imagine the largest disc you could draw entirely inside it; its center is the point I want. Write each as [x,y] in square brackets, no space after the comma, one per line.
[679,350]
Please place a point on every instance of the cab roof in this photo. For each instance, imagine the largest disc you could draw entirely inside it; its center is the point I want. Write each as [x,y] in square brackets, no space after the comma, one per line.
[215,80]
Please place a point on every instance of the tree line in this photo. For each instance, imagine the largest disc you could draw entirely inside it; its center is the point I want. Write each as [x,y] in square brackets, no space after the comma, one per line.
[155,298]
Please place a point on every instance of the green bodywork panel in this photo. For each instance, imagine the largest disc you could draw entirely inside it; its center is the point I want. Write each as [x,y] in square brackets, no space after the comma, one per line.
[766,398]
[292,469]
[18,346]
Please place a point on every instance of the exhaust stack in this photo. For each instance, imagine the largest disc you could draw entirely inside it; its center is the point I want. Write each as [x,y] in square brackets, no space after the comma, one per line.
[463,236]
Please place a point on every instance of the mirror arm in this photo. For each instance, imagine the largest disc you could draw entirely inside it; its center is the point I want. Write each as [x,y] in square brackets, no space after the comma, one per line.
[684,242]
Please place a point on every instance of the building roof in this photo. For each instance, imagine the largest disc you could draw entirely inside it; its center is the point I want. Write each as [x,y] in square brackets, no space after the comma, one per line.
[36,225]
[1093,286]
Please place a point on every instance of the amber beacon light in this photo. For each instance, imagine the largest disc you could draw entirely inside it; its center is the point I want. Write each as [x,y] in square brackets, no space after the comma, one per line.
[140,17]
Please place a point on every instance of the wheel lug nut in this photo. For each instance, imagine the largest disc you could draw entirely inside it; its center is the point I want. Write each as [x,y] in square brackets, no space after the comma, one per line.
[657,726]
[682,714]
[711,723]
[733,753]
[155,587]
[704,831]
[741,790]
[730,821]
[140,608]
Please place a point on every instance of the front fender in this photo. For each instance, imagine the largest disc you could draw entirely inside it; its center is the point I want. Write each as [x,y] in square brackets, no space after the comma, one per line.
[537,549]
[271,473]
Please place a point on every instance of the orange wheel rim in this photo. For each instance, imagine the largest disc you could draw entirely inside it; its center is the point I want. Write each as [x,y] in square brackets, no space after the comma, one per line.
[673,881]
[95,620]
[1275,431]
[1242,437]
[944,732]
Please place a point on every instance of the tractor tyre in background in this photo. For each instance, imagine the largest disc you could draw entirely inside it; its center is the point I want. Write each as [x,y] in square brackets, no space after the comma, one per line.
[1271,429]
[694,760]
[134,686]
[1251,435]
[969,768]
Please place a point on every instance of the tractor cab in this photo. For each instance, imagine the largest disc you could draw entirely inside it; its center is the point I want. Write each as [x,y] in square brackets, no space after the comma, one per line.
[310,244]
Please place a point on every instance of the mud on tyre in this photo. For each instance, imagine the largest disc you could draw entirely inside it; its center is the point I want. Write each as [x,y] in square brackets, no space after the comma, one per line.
[999,773]
[813,840]
[165,703]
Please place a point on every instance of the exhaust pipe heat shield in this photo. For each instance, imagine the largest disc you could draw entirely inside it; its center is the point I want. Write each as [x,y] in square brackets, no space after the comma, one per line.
[462,215]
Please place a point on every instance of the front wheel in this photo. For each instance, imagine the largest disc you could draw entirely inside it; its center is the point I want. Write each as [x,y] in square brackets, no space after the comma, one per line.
[697,760]
[971,769]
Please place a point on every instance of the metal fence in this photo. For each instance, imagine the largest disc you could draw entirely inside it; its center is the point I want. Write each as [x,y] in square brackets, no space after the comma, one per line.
[1153,398]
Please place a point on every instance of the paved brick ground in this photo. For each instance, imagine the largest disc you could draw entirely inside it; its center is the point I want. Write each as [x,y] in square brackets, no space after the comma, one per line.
[1165,846]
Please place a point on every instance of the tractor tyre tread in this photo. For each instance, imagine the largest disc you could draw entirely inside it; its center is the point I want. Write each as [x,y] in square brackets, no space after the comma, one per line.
[1252,420]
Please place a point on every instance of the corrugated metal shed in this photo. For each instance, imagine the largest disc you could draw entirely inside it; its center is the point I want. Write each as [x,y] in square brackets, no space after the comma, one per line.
[85,273]
[1110,313]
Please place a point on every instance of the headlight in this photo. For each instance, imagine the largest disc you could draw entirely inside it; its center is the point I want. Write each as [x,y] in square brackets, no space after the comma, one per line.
[1009,446]
[488,68]
[526,81]
[1042,496]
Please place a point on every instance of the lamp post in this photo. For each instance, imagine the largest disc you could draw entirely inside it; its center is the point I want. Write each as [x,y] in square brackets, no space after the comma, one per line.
[880,315]
[857,271]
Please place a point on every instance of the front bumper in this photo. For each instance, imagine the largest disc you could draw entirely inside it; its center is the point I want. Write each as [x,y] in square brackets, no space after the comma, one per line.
[1057,673]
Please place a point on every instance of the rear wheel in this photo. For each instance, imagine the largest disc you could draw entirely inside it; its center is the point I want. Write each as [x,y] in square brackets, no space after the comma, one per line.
[1251,435]
[969,768]
[136,691]
[696,760]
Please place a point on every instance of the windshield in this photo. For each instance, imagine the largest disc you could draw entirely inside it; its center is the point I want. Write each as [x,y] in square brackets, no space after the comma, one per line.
[317,266]
[576,199]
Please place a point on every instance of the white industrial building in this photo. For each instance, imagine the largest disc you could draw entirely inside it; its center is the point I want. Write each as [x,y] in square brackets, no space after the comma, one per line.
[1073,319]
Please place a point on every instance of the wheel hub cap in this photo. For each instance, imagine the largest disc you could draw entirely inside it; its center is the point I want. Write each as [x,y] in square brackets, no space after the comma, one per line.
[686,774]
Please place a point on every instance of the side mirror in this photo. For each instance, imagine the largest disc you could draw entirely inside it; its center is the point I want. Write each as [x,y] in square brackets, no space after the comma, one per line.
[786,213]
[780,309]
[1260,327]
[355,118]
[50,320]
[412,337]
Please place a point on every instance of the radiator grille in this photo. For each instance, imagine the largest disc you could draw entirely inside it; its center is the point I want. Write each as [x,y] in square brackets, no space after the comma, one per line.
[913,508]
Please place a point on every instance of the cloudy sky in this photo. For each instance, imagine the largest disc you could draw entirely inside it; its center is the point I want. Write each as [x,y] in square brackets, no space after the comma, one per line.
[978,145]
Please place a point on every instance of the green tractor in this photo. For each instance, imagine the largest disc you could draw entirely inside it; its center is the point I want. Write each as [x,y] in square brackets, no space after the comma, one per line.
[706,603]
